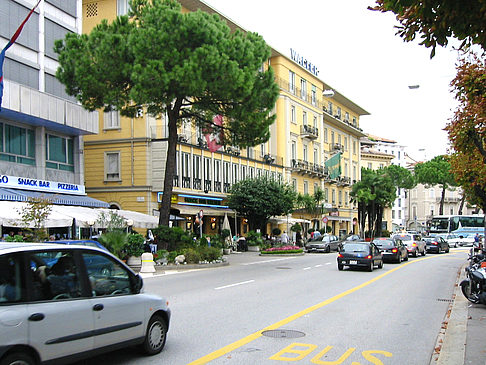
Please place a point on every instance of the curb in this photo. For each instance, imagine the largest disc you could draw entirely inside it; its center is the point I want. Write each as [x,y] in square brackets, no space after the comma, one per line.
[450,348]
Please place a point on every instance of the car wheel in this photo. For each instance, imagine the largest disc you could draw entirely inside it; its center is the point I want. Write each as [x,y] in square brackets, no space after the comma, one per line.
[340,267]
[424,252]
[370,269]
[406,258]
[399,260]
[380,265]
[448,249]
[156,335]
[328,249]
[455,245]
[17,358]
[415,254]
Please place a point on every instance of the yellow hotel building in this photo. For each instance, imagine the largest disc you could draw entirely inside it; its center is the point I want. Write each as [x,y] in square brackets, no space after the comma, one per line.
[125,162]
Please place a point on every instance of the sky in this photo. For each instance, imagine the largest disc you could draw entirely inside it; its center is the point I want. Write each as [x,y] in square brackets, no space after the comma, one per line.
[358,54]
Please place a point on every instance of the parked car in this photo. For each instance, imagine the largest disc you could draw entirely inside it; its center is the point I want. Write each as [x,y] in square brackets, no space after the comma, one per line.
[359,254]
[90,243]
[436,244]
[452,239]
[324,243]
[414,243]
[392,249]
[59,308]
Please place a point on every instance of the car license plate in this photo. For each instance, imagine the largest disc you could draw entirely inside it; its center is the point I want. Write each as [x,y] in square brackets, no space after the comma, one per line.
[353,262]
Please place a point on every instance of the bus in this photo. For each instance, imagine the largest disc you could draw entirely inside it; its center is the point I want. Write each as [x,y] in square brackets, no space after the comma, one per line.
[461,225]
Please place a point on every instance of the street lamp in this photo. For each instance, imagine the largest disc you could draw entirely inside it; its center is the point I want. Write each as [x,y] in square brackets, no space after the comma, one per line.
[328,93]
[129,225]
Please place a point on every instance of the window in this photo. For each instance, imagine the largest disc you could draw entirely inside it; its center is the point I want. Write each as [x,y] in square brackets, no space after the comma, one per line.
[345,169]
[207,173]
[17,144]
[381,165]
[399,214]
[55,275]
[315,122]
[316,187]
[398,154]
[354,122]
[399,202]
[306,187]
[226,172]
[252,172]
[431,193]
[303,89]
[325,135]
[346,117]
[346,198]
[370,166]
[332,138]
[292,82]
[313,95]
[338,112]
[293,150]
[249,152]
[345,143]
[340,197]
[217,171]
[432,210]
[106,277]
[393,214]
[292,114]
[112,166]
[122,7]
[59,153]
[333,196]
[196,171]
[11,290]
[354,173]
[316,156]
[235,173]
[304,152]
[294,184]
[329,107]
[326,194]
[451,212]
[304,118]
[354,147]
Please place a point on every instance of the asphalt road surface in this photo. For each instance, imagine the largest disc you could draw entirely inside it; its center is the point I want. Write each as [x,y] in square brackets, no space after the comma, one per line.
[301,309]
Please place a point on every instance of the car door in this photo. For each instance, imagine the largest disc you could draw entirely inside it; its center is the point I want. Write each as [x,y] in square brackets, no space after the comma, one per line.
[333,242]
[14,329]
[376,254]
[119,313]
[59,311]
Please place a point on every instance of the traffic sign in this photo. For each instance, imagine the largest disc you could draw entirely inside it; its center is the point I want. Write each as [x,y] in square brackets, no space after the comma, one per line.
[325,219]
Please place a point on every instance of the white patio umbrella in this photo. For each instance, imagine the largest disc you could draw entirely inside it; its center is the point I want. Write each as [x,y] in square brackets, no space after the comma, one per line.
[226,225]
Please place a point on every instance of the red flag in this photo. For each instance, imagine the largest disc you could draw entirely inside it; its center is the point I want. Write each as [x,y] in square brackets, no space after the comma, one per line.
[215,140]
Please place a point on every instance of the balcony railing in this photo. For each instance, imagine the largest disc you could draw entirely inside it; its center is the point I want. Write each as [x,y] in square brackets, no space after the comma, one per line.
[186,182]
[207,185]
[309,131]
[226,187]
[175,181]
[217,186]
[196,183]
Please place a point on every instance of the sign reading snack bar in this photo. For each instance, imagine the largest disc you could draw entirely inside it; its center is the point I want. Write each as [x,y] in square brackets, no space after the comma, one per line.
[25,183]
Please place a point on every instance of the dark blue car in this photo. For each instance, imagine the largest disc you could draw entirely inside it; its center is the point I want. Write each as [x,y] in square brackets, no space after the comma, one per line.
[90,243]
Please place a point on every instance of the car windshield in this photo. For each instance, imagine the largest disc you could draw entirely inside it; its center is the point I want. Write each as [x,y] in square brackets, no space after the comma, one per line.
[384,242]
[403,237]
[355,247]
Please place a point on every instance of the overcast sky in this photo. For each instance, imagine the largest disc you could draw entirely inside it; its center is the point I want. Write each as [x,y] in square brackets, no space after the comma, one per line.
[358,54]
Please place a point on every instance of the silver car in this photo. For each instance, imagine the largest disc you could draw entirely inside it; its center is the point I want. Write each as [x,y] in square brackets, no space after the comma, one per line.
[65,303]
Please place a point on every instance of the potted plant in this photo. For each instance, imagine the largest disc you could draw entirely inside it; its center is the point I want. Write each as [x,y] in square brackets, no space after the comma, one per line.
[134,249]
[227,241]
[254,240]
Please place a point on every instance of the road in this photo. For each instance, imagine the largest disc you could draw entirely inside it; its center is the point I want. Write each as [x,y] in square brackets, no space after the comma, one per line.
[323,316]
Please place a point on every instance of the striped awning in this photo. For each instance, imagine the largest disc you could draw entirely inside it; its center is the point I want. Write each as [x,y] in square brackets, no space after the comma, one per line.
[59,199]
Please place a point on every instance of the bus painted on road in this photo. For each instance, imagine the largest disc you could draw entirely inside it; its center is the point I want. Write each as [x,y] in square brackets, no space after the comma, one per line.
[461,225]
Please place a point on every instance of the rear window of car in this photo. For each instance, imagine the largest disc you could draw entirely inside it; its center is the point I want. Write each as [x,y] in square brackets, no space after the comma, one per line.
[384,242]
[356,247]
[403,237]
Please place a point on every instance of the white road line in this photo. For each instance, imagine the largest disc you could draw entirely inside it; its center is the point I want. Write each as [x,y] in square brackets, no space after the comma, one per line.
[318,266]
[328,263]
[235,284]
[267,261]
[307,268]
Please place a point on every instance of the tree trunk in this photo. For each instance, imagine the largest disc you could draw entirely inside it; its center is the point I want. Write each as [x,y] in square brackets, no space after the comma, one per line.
[379,220]
[164,210]
[461,205]
[442,198]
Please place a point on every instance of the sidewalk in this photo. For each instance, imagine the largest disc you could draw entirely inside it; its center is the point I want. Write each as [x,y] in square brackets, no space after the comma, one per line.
[462,338]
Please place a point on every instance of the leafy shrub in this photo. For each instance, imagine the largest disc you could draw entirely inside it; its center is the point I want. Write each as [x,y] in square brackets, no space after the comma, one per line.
[254,238]
[172,238]
[115,241]
[225,233]
[210,253]
[160,254]
[16,238]
[296,227]
[193,256]
[276,231]
[134,246]
[172,255]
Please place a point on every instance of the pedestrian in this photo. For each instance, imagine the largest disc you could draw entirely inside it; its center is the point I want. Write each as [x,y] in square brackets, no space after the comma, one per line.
[284,238]
[317,234]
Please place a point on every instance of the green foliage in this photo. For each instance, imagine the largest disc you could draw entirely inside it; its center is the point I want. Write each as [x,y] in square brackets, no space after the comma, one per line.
[111,221]
[160,254]
[435,21]
[260,198]
[186,65]
[134,246]
[225,233]
[195,255]
[171,238]
[436,172]
[115,241]
[254,238]
[192,255]
[299,250]
[36,213]
[467,129]
[15,238]
[276,231]
[296,227]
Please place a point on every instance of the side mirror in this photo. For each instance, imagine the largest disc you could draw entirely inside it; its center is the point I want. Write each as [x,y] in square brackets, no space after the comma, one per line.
[138,283]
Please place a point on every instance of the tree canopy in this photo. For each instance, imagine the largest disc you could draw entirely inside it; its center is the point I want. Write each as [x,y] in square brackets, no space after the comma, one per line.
[436,172]
[467,129]
[311,204]
[188,66]
[260,198]
[437,20]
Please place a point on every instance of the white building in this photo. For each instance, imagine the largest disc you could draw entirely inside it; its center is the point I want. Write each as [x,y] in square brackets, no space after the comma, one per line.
[387,146]
[41,128]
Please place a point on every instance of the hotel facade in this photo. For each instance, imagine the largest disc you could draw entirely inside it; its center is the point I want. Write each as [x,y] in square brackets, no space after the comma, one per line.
[314,144]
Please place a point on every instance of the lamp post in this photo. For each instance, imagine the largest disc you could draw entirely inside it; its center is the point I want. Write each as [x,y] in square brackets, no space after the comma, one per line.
[129,225]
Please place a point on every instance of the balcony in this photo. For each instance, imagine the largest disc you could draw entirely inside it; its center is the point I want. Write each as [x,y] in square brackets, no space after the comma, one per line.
[196,183]
[182,138]
[337,147]
[308,168]
[217,186]
[343,181]
[226,187]
[175,181]
[207,185]
[232,150]
[186,182]
[201,142]
[268,158]
[307,131]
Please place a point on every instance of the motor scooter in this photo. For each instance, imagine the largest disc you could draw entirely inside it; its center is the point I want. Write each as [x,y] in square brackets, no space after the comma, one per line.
[474,286]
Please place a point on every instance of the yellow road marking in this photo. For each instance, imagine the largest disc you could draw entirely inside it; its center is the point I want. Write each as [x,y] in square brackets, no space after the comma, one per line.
[233,346]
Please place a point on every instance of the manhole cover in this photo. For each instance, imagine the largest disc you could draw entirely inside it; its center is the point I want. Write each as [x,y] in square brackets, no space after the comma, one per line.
[283,333]
[445,300]
[283,268]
